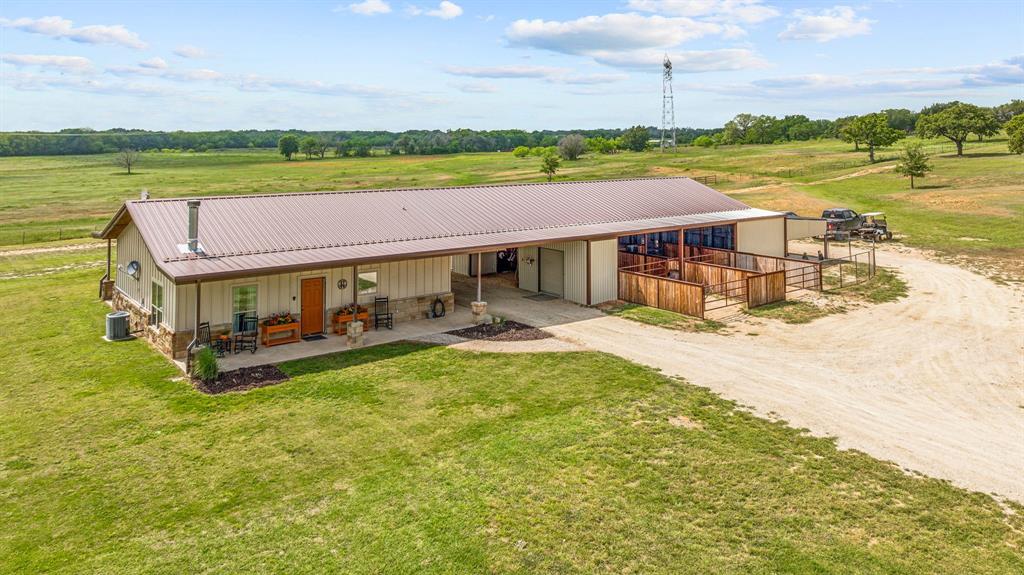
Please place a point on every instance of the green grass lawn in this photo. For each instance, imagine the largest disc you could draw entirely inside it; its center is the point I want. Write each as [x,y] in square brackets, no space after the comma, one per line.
[415,459]
[971,205]
[664,318]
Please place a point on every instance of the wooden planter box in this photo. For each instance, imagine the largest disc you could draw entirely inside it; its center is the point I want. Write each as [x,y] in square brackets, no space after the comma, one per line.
[341,321]
[270,331]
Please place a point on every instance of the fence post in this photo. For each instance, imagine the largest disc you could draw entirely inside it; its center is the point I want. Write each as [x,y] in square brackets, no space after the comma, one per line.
[840,273]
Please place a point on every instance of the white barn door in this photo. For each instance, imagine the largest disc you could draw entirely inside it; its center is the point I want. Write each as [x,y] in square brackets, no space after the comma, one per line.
[552,272]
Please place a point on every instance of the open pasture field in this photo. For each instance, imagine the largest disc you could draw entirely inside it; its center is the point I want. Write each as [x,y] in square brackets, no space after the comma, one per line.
[972,205]
[409,459]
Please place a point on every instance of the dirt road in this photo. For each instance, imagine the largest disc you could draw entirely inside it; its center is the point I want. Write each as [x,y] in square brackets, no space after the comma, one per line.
[933,382]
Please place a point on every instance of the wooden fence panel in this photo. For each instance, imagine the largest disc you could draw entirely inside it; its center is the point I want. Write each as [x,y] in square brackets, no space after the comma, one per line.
[662,293]
[766,288]
[684,298]
[717,279]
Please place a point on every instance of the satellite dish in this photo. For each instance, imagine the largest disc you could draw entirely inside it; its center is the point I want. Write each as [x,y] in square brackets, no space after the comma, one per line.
[133,269]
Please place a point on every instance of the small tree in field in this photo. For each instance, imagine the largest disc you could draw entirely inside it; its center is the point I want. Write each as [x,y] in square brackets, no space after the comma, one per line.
[308,146]
[1015,130]
[288,146]
[521,152]
[572,146]
[874,131]
[913,163]
[549,165]
[322,145]
[636,139]
[127,158]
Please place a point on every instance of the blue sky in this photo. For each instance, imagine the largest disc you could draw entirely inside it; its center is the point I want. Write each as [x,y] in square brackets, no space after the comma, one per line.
[395,65]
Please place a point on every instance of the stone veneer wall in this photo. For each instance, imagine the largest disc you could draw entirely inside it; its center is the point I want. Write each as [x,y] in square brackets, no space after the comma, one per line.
[170,343]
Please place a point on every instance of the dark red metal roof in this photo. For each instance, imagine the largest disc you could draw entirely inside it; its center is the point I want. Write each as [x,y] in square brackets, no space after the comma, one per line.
[246,235]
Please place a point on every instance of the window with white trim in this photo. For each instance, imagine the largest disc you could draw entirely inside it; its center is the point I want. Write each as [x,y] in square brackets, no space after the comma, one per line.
[243,303]
[367,283]
[156,304]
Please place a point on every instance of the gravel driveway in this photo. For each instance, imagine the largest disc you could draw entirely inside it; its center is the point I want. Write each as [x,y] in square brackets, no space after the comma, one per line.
[933,382]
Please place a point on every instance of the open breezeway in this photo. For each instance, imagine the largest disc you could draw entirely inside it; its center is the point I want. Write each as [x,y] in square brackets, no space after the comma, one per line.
[932,382]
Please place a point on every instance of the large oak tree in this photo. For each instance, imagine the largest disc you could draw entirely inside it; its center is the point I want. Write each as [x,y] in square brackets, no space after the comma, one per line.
[956,123]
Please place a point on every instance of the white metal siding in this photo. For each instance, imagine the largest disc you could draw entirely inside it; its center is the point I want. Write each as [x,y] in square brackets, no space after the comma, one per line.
[527,272]
[765,237]
[460,264]
[798,229]
[575,265]
[604,275]
[281,292]
[130,246]
[552,272]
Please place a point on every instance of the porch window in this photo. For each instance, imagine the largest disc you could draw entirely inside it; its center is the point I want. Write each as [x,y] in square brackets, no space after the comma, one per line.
[156,304]
[367,283]
[711,237]
[243,303]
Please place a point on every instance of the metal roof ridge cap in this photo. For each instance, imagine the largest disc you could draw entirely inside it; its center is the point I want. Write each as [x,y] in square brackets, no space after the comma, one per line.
[384,190]
[186,257]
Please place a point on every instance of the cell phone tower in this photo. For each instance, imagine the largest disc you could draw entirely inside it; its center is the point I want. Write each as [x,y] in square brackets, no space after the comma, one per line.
[668,107]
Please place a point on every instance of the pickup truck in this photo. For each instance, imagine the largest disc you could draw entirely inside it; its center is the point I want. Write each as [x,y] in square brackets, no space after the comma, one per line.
[841,223]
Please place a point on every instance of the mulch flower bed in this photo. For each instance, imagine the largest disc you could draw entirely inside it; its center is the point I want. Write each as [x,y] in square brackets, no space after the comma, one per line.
[504,331]
[243,379]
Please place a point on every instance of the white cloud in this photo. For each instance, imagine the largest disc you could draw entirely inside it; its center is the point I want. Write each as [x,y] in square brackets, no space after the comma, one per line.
[686,61]
[57,27]
[506,71]
[154,70]
[155,63]
[45,82]
[476,87]
[745,11]
[905,82]
[608,32]
[191,52]
[635,41]
[550,74]
[446,10]
[71,64]
[827,25]
[367,7]
[1008,72]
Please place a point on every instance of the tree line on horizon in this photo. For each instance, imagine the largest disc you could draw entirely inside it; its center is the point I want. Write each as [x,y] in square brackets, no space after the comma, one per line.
[74,141]
[953,120]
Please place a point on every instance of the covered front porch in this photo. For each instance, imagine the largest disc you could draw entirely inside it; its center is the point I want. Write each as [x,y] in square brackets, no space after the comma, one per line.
[457,318]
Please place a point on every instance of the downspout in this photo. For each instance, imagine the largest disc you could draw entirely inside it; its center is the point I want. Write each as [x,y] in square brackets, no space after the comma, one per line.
[106,276]
[195,331]
[589,280]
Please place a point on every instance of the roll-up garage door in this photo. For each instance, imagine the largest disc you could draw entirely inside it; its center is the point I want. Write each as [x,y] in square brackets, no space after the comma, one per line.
[552,272]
